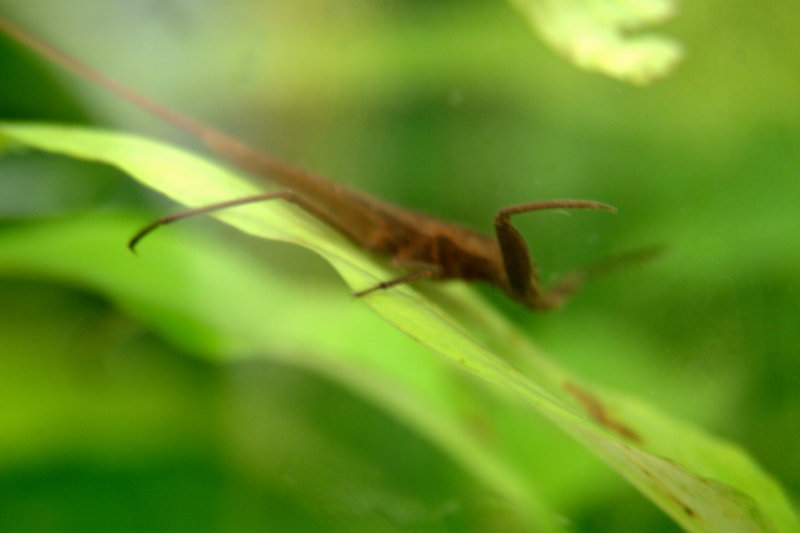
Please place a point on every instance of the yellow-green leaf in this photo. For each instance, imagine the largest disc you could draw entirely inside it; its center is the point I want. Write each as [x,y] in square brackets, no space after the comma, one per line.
[704,483]
[598,35]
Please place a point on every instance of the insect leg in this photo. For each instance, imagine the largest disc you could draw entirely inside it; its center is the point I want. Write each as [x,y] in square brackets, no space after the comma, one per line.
[520,269]
[431,272]
[286,194]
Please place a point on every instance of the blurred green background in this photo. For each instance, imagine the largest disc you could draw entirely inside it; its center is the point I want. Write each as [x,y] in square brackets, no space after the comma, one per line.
[453,107]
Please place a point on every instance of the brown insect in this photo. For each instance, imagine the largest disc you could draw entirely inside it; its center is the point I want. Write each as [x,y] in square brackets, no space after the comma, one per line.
[426,247]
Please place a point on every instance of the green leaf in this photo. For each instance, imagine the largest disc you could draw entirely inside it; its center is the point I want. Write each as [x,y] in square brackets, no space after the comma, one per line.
[705,484]
[596,35]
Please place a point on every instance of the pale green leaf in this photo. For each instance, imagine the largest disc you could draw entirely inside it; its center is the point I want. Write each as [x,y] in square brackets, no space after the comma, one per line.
[598,35]
[705,484]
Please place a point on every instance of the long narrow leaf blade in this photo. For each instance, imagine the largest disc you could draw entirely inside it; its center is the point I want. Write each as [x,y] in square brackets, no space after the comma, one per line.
[705,484]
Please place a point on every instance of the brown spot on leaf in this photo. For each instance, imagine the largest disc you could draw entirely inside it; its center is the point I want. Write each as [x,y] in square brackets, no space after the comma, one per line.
[598,412]
[686,509]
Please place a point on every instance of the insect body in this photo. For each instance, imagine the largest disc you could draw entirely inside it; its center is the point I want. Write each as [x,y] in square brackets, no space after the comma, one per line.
[426,247]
